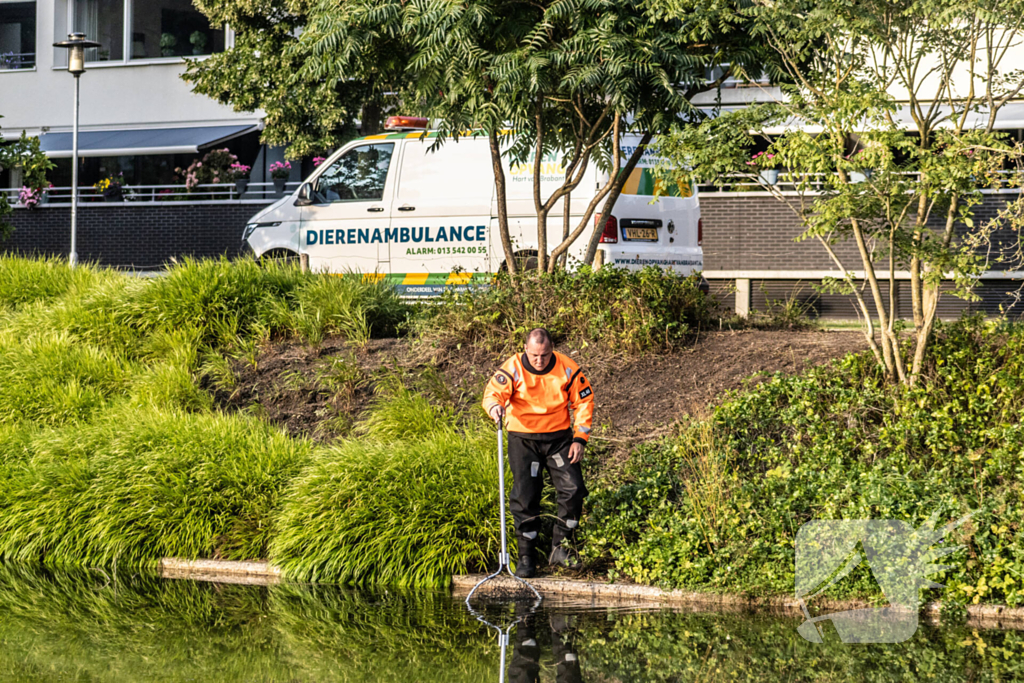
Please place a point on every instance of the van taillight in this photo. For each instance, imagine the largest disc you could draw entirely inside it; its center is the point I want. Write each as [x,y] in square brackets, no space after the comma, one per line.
[610,235]
[700,231]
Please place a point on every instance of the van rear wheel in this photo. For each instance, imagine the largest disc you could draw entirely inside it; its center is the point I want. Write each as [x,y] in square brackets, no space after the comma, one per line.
[525,260]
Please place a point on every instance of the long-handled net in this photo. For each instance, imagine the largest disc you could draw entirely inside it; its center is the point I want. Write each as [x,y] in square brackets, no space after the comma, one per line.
[503,584]
[503,634]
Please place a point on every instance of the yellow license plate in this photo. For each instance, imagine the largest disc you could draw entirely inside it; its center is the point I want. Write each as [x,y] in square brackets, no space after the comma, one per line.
[643,234]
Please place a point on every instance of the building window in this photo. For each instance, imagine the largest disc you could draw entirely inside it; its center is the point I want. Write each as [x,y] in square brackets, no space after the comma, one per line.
[153,29]
[17,35]
[172,28]
[102,21]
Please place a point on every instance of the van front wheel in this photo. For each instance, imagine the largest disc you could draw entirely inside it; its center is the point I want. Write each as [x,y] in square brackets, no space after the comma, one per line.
[279,257]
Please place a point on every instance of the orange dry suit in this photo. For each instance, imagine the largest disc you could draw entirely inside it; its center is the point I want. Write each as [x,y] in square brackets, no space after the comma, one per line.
[541,431]
[539,401]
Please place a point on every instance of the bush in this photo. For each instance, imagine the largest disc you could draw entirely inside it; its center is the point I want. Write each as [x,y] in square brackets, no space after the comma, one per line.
[836,442]
[629,311]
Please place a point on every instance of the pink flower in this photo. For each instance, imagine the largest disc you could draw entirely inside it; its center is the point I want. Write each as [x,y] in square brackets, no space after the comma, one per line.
[318,160]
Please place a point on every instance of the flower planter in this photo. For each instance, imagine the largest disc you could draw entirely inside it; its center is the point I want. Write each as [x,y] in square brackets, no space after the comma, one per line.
[279,184]
[770,176]
[113,195]
[241,185]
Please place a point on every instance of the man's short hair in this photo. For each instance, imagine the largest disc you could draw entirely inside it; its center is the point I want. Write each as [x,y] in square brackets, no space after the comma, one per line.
[540,336]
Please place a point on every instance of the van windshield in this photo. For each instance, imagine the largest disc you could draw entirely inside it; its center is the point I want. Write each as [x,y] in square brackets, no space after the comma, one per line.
[358,175]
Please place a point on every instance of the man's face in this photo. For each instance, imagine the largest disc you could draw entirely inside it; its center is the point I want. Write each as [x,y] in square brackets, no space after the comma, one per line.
[539,354]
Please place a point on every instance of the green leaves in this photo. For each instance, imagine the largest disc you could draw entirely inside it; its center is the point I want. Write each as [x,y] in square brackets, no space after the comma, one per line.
[24,154]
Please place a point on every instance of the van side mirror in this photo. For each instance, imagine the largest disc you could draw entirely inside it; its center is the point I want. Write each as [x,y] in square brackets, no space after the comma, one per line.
[304,197]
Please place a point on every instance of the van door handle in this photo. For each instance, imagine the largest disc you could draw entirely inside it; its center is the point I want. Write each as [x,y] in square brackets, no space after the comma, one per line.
[376,209]
[407,208]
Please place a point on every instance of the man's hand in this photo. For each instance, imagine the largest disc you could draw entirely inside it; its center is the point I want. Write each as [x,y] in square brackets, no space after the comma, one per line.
[575,453]
[497,412]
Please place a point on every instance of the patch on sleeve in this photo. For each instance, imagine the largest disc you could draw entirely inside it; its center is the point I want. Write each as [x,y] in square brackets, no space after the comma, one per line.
[500,379]
[586,392]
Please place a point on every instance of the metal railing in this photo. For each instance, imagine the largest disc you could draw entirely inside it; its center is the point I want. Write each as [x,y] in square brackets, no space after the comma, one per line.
[817,182]
[12,61]
[159,194]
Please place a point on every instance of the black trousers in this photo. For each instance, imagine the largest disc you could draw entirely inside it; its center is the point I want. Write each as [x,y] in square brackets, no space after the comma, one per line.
[525,664]
[529,456]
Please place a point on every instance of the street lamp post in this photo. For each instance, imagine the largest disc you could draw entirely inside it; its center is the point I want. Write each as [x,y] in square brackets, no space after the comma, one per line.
[76,45]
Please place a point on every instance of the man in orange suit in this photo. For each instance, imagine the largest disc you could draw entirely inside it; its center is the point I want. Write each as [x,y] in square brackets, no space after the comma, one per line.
[549,407]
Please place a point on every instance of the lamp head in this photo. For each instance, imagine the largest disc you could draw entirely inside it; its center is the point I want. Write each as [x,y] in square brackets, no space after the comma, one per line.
[76,45]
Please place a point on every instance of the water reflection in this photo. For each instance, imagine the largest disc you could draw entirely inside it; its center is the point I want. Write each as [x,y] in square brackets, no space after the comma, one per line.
[88,627]
[526,657]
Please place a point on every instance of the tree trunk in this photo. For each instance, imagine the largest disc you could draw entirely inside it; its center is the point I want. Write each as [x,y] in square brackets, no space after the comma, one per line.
[566,206]
[930,299]
[618,182]
[538,203]
[499,184]
[370,117]
[876,294]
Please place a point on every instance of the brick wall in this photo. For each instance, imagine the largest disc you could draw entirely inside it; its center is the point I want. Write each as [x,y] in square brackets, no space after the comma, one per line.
[132,236]
[757,233]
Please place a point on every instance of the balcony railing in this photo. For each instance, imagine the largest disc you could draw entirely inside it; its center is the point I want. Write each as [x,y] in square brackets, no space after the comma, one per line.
[12,61]
[161,194]
[817,182]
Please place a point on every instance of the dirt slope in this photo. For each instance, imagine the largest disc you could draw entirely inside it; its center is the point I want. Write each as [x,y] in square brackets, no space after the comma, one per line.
[321,391]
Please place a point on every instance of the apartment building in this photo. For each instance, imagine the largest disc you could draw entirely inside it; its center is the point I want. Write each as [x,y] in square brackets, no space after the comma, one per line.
[137,116]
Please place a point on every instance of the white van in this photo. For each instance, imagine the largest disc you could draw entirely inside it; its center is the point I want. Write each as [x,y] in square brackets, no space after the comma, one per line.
[427,220]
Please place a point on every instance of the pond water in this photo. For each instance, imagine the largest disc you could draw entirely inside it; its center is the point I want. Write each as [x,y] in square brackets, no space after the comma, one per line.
[88,626]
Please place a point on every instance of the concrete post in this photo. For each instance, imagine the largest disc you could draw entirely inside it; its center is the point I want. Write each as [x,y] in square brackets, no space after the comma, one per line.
[304,262]
[743,297]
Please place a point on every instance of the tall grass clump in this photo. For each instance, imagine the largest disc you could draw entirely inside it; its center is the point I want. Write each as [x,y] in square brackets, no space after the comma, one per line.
[24,281]
[351,305]
[113,453]
[408,505]
[54,379]
[141,484]
[629,311]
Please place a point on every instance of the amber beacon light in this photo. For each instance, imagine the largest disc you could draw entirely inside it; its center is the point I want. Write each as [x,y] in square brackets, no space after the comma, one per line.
[399,123]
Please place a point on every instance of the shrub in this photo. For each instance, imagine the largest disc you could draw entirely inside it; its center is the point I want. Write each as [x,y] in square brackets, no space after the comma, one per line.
[629,311]
[838,442]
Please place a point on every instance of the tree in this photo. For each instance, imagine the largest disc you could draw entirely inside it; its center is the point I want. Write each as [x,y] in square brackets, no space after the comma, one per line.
[537,77]
[899,180]
[265,71]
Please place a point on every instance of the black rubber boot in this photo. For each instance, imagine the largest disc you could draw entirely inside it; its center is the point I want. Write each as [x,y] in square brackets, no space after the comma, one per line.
[526,567]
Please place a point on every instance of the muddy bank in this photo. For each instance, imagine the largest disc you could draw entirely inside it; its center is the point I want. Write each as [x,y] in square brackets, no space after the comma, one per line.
[321,391]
